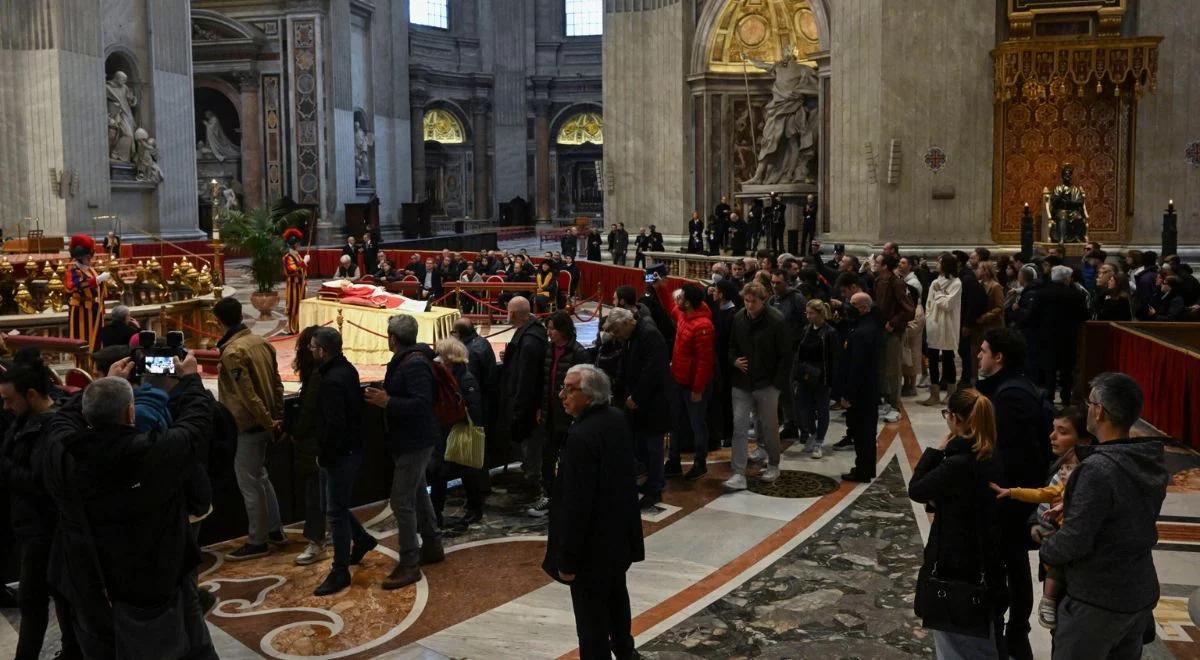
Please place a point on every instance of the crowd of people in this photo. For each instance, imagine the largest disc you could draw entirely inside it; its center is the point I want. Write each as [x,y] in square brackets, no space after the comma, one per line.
[108,487]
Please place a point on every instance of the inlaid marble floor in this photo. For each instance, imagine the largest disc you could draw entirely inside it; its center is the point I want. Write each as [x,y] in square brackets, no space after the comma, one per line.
[726,576]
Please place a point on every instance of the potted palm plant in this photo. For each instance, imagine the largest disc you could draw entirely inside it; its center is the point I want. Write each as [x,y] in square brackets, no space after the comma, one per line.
[258,232]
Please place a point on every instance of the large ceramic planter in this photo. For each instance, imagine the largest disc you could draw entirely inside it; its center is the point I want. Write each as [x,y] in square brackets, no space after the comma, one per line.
[264,302]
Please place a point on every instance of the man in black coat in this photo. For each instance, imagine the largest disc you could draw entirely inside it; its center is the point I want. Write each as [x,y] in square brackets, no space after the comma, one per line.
[521,375]
[724,306]
[481,361]
[595,529]
[119,330]
[695,243]
[858,384]
[643,371]
[370,252]
[777,213]
[340,453]
[974,302]
[808,228]
[1023,449]
[593,245]
[352,249]
[721,212]
[409,391]
[655,242]
[1059,309]
[121,502]
[569,244]
[738,235]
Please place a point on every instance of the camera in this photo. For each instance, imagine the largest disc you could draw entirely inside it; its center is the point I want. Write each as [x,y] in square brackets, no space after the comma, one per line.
[152,359]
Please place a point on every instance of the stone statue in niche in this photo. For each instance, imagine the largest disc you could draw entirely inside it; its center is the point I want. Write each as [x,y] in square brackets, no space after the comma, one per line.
[1066,209]
[146,158]
[220,145]
[228,199]
[363,141]
[121,102]
[202,151]
[788,145]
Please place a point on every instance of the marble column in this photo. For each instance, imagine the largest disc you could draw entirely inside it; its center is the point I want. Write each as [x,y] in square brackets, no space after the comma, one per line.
[541,109]
[252,140]
[823,100]
[479,142]
[417,99]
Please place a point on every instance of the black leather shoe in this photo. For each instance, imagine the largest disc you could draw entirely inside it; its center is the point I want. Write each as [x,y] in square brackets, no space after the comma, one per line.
[360,550]
[698,470]
[854,476]
[648,501]
[402,576]
[337,580]
[432,552]
[672,469]
[469,518]
[789,431]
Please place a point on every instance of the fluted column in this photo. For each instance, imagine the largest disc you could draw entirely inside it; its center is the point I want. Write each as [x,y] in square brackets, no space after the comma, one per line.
[541,109]
[252,141]
[479,109]
[417,99]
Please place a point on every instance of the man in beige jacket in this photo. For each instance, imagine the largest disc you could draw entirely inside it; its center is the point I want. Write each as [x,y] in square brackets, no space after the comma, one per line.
[250,387]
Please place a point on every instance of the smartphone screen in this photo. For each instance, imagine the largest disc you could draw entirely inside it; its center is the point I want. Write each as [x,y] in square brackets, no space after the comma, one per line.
[160,364]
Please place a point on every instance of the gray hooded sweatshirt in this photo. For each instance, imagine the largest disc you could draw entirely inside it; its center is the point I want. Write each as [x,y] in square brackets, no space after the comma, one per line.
[1111,509]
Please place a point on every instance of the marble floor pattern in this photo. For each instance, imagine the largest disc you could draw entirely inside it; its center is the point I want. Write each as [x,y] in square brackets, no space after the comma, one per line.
[726,576]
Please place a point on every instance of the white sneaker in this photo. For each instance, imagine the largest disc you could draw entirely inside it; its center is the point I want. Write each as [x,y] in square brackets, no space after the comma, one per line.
[540,509]
[759,455]
[770,474]
[884,409]
[313,553]
[891,417]
[816,452]
[736,482]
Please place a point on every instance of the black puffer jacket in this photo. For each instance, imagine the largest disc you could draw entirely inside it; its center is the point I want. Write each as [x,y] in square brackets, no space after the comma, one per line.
[644,372]
[33,514]
[1110,525]
[819,347]
[411,424]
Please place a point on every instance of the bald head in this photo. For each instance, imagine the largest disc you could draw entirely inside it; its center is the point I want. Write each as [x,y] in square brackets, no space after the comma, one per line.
[862,302]
[518,310]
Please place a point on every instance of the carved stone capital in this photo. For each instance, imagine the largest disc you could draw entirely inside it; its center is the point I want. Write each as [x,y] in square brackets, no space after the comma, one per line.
[541,107]
[246,81]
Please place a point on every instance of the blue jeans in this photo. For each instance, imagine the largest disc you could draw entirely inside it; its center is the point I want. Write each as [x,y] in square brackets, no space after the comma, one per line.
[690,422]
[648,448]
[339,488]
[812,411]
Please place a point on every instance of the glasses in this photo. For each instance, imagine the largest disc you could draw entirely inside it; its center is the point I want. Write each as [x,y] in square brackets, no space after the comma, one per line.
[570,389]
[946,413]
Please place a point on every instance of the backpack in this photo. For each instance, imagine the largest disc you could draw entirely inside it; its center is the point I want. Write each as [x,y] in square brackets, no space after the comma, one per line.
[448,404]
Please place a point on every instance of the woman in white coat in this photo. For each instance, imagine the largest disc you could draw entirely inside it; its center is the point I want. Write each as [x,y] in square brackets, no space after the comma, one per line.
[943,313]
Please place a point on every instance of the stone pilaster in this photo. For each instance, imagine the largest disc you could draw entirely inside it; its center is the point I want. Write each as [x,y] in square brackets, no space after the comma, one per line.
[417,97]
[252,140]
[479,112]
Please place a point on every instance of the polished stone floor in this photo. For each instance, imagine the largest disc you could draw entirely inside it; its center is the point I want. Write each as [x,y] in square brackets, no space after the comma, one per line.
[726,576]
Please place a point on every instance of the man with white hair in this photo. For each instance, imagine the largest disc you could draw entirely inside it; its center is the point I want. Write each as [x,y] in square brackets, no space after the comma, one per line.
[595,528]
[120,329]
[346,268]
[1058,312]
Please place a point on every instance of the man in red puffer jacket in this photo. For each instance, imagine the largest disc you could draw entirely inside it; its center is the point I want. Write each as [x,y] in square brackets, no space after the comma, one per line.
[692,362]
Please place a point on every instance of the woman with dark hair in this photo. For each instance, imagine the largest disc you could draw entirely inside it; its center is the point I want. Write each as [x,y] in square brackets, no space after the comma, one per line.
[562,354]
[303,430]
[943,315]
[952,482]
[27,392]
[547,286]
[1115,302]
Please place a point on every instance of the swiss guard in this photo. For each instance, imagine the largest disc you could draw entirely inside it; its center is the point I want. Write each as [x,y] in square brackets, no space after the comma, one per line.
[295,267]
[86,289]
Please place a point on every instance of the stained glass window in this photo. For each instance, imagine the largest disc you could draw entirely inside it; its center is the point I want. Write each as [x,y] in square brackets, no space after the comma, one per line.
[582,128]
[433,13]
[584,17]
[441,126]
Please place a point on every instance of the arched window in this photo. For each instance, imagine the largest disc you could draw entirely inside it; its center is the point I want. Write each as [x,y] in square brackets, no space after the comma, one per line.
[433,13]
[441,126]
[584,17]
[582,128]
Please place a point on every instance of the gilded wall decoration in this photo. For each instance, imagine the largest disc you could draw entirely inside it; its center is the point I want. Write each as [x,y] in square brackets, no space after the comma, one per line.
[1037,134]
[305,79]
[442,126]
[761,30]
[583,128]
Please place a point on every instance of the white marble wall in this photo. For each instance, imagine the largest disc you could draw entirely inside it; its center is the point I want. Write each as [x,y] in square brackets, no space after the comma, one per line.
[1167,121]
[919,72]
[647,110]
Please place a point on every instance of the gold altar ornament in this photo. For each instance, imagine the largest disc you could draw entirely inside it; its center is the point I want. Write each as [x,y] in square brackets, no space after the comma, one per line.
[1057,67]
[763,30]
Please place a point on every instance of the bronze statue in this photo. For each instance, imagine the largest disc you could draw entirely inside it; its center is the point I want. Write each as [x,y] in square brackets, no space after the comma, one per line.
[1066,210]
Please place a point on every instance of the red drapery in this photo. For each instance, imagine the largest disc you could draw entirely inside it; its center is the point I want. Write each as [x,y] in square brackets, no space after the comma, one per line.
[1170,380]
[608,278]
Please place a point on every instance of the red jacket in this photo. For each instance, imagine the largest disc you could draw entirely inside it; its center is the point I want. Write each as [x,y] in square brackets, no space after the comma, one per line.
[693,357]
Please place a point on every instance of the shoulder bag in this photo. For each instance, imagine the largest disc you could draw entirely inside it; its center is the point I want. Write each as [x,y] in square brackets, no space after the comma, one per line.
[955,605]
[465,444]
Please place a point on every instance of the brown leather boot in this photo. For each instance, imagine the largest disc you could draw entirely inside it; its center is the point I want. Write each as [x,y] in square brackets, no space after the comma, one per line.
[402,576]
[935,396]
